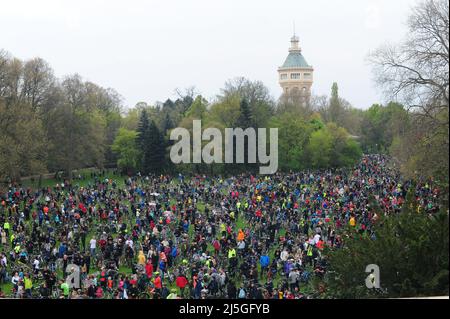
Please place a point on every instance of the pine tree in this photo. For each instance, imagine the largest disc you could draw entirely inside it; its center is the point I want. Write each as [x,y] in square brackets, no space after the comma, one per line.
[155,149]
[167,124]
[151,143]
[143,126]
[245,119]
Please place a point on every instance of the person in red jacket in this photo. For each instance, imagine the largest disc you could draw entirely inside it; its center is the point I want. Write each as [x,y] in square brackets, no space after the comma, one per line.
[149,268]
[181,283]
[157,283]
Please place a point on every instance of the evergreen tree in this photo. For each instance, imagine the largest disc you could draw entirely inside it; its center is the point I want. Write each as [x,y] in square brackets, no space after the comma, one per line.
[143,126]
[152,149]
[167,123]
[151,143]
[245,121]
[245,118]
[157,146]
[411,249]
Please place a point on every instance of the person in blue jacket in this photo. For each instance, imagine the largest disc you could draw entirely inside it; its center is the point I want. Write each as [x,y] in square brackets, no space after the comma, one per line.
[264,260]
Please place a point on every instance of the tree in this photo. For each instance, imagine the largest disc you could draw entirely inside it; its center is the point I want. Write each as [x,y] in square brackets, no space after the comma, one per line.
[167,124]
[143,127]
[255,93]
[416,72]
[76,130]
[335,108]
[226,111]
[293,136]
[244,122]
[198,108]
[155,150]
[109,103]
[245,118]
[22,147]
[381,124]
[38,80]
[151,144]
[320,148]
[405,248]
[126,147]
[330,146]
[345,151]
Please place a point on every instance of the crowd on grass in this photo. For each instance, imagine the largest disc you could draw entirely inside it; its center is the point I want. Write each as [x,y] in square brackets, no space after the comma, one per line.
[168,237]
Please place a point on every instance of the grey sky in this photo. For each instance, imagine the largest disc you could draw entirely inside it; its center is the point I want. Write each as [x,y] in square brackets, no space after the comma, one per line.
[146,49]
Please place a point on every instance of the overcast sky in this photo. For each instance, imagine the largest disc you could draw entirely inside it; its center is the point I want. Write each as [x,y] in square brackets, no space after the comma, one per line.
[146,49]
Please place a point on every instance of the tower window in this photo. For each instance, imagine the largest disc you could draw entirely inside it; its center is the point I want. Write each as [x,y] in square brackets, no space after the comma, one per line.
[307,75]
[295,76]
[283,76]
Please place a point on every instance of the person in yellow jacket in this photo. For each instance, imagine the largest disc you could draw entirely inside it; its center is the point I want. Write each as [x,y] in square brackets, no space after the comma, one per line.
[6,227]
[309,251]
[231,253]
[223,229]
[352,221]
[28,285]
[141,258]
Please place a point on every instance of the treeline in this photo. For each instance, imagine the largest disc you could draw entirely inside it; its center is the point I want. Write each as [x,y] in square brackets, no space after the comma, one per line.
[421,270]
[306,140]
[49,124]
[415,71]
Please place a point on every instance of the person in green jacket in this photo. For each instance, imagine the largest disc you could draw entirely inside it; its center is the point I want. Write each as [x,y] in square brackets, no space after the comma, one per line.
[6,227]
[66,289]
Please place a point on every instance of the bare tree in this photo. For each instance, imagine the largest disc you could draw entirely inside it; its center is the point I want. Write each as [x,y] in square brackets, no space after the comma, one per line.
[416,72]
[190,92]
[4,61]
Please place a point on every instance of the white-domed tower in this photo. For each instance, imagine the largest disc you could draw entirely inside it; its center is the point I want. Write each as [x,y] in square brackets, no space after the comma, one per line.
[296,75]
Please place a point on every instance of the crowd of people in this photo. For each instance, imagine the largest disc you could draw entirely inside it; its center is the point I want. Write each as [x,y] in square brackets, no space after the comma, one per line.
[164,237]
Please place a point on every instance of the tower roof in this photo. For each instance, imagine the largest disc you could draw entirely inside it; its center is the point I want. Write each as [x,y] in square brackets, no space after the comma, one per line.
[295,59]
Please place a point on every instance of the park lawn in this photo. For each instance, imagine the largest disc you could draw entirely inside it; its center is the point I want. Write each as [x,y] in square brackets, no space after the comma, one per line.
[51,182]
